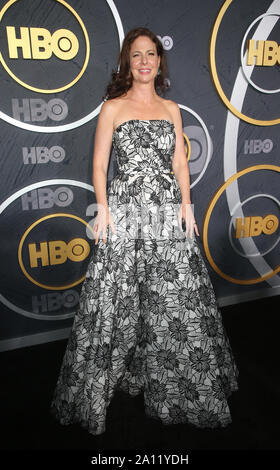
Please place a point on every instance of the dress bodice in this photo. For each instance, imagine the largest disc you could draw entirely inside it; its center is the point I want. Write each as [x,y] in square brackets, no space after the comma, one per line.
[144,146]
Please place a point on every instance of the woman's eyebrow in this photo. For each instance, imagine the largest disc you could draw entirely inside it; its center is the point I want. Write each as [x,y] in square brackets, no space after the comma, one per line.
[149,50]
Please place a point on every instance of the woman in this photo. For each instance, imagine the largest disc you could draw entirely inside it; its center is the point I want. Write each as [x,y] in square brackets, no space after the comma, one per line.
[148,319]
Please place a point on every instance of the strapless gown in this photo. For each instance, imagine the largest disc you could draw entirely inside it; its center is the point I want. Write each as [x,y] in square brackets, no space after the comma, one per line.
[148,320]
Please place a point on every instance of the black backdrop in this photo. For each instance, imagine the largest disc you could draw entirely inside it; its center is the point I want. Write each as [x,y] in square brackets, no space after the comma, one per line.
[56,59]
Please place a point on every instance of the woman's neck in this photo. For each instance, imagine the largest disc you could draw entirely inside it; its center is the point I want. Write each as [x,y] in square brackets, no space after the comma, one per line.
[142,93]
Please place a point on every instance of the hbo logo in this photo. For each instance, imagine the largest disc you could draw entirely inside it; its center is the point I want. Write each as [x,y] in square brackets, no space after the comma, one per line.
[267,53]
[39,110]
[46,198]
[167,42]
[39,43]
[258,146]
[54,301]
[58,251]
[43,154]
[255,226]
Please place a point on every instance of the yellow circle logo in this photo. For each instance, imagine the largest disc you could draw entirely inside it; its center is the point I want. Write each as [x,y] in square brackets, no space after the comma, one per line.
[216,80]
[76,250]
[38,43]
[207,220]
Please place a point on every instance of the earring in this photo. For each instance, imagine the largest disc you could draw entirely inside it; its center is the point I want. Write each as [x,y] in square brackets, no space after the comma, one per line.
[159,71]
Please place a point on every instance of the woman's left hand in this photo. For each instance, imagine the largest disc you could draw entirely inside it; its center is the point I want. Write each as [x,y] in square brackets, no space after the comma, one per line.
[186,213]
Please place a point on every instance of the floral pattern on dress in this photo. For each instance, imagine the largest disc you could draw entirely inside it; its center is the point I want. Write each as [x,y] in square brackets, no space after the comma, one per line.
[148,320]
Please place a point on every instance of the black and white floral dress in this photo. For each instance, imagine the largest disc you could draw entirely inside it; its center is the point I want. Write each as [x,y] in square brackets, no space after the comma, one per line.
[148,319]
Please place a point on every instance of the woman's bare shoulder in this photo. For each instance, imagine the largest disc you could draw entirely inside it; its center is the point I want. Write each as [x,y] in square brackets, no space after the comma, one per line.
[172,109]
[171,105]
[112,107]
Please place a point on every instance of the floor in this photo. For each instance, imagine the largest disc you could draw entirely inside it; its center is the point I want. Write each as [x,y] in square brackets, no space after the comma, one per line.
[29,376]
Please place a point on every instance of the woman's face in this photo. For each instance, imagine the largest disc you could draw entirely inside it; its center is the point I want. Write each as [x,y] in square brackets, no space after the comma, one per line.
[144,60]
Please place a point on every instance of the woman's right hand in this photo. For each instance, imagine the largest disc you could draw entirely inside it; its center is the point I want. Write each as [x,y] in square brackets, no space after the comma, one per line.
[102,220]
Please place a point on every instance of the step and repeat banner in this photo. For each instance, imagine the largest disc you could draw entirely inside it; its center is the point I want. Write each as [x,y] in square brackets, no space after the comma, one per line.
[56,59]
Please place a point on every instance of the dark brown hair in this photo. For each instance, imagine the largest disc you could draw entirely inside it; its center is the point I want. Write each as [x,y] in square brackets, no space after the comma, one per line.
[121,80]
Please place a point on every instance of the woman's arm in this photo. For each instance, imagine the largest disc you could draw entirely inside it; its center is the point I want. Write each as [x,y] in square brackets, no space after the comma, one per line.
[181,170]
[101,156]
[101,153]
[179,161]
